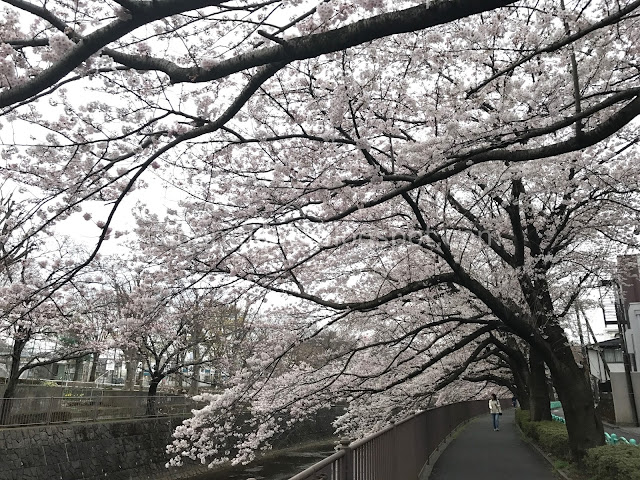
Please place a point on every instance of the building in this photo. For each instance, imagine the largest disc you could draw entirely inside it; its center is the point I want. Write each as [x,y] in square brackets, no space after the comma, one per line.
[625,384]
[629,281]
[605,357]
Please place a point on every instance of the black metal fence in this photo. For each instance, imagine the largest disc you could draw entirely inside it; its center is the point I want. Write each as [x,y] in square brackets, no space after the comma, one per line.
[66,409]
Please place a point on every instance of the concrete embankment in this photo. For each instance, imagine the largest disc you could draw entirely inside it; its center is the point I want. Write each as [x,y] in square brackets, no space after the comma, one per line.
[122,450]
[118,450]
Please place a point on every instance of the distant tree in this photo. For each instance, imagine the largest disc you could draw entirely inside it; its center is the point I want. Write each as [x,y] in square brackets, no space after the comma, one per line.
[31,314]
[51,329]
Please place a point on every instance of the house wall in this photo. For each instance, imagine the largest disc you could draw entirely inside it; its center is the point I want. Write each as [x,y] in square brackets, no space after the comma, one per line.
[621,399]
[616,367]
[633,335]
[629,275]
[597,366]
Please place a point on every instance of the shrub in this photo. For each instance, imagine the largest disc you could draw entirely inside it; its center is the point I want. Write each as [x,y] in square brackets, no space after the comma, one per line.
[522,416]
[606,462]
[553,438]
[614,461]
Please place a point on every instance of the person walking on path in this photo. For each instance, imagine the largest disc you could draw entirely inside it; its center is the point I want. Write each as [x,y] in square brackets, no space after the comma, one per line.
[496,411]
[476,454]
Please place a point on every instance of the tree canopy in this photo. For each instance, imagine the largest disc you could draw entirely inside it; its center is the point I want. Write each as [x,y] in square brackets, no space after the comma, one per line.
[430,180]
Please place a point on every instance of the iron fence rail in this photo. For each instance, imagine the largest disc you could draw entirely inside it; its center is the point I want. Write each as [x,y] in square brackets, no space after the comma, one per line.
[71,409]
[400,451]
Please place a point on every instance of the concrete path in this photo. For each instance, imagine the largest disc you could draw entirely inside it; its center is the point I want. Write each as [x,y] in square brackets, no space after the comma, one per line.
[479,453]
[625,431]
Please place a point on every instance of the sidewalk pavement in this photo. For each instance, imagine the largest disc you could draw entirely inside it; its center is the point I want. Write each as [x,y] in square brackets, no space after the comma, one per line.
[624,431]
[628,432]
[479,453]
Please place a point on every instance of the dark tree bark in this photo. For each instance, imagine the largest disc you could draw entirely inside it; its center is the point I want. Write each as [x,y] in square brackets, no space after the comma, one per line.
[519,367]
[151,396]
[572,386]
[77,371]
[539,401]
[94,366]
[522,393]
[574,391]
[546,336]
[12,381]
[130,378]
[195,380]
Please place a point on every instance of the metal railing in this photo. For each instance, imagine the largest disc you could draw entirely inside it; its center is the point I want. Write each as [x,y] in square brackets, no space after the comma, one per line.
[69,409]
[398,452]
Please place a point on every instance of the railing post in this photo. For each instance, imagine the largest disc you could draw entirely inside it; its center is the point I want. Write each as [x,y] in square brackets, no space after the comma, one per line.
[49,411]
[392,450]
[347,464]
[95,408]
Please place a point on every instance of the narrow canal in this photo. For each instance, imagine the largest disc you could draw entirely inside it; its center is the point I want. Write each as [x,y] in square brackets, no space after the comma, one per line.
[277,465]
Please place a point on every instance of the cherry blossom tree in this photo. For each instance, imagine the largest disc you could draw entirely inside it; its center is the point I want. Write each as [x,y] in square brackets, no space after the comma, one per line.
[433,173]
[380,366]
[166,323]
[357,156]
[41,327]
[52,328]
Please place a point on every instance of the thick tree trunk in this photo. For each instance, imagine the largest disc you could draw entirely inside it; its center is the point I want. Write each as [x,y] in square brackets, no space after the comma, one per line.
[94,366]
[521,384]
[195,381]
[521,375]
[12,381]
[77,369]
[583,425]
[139,377]
[151,396]
[130,378]
[573,388]
[7,401]
[524,402]
[539,401]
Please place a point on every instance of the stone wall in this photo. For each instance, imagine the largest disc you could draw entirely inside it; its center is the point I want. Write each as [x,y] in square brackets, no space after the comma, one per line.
[125,450]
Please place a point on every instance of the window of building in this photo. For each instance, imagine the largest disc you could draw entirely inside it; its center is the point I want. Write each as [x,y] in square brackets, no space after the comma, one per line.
[613,356]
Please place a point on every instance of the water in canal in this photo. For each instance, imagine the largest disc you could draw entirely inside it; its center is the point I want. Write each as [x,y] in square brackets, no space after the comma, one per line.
[277,465]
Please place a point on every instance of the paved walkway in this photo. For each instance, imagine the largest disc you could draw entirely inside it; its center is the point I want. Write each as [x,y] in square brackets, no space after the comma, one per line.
[628,432]
[625,431]
[479,453]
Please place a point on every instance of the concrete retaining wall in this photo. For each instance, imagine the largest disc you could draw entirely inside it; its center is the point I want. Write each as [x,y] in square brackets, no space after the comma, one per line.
[125,450]
[621,400]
